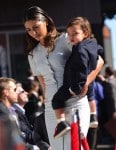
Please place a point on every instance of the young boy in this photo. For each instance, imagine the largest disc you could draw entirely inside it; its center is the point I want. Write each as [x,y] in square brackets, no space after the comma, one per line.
[81,62]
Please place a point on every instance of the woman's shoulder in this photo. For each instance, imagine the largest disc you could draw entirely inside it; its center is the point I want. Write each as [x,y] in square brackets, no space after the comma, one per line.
[63,40]
[37,49]
[63,36]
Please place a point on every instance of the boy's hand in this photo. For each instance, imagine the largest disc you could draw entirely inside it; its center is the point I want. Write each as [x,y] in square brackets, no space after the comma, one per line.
[71,92]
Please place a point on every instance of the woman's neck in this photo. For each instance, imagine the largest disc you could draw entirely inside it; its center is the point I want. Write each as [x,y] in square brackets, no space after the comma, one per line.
[42,42]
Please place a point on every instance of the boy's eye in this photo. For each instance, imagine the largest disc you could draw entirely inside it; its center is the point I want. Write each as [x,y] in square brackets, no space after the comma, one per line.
[75,33]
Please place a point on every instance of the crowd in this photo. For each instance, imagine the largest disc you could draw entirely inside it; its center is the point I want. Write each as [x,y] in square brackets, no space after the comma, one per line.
[22,110]
[64,71]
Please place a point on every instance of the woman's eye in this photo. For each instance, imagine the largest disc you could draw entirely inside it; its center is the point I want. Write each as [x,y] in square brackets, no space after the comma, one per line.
[35,28]
[28,30]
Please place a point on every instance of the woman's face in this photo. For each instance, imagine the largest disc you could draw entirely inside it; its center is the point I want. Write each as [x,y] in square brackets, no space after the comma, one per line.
[36,29]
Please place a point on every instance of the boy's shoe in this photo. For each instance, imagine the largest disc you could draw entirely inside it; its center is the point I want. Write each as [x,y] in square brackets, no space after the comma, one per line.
[93,121]
[62,128]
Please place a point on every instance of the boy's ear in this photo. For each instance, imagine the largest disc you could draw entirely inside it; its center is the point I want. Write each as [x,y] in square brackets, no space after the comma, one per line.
[86,34]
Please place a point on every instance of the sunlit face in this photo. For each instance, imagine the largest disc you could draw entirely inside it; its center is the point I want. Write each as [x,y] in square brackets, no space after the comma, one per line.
[36,29]
[76,34]
[22,95]
[11,93]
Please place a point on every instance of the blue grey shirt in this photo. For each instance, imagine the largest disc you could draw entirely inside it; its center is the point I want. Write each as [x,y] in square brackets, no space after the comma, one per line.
[51,65]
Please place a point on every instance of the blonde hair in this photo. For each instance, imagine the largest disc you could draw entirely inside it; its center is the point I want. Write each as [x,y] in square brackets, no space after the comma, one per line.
[4,84]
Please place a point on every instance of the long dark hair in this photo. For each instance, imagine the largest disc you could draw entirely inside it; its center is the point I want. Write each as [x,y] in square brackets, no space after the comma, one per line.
[35,13]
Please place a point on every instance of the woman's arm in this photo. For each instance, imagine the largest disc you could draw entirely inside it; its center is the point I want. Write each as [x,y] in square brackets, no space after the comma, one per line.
[92,75]
[42,83]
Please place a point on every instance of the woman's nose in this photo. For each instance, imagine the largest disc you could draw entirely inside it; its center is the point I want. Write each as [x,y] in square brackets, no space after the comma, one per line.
[34,32]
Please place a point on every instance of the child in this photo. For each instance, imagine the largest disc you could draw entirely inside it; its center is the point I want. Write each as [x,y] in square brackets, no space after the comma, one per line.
[81,62]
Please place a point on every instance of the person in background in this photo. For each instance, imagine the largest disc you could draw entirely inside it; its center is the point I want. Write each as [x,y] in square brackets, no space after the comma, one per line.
[109,75]
[48,51]
[99,97]
[115,73]
[26,128]
[107,117]
[30,74]
[10,135]
[98,93]
[34,110]
[35,105]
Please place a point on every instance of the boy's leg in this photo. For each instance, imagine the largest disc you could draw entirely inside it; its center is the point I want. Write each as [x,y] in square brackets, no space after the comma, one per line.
[60,114]
[58,104]
[93,114]
[92,105]
[62,127]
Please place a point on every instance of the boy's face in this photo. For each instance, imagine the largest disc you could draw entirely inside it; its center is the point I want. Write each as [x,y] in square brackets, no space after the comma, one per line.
[76,34]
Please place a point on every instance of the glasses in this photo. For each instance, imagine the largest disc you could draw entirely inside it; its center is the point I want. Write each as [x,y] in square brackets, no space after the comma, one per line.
[21,92]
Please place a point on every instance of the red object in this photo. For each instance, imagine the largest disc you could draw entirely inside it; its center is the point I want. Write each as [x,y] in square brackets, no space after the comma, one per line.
[115,147]
[84,144]
[74,136]
[19,147]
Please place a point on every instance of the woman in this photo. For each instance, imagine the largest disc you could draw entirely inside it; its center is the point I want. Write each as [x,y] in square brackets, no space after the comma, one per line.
[47,52]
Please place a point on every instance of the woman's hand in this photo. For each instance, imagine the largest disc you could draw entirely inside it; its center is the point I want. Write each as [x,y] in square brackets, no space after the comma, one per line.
[43,85]
[92,75]
[84,90]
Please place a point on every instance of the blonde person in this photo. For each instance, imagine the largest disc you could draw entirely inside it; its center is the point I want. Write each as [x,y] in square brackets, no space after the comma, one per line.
[48,51]
[10,135]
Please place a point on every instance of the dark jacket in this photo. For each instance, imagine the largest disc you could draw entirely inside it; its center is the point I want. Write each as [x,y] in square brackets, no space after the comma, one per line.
[25,126]
[35,114]
[9,129]
[81,62]
[3,109]
[33,108]
[40,129]
[33,135]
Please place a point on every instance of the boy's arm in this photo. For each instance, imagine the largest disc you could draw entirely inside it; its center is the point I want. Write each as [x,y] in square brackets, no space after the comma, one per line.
[92,75]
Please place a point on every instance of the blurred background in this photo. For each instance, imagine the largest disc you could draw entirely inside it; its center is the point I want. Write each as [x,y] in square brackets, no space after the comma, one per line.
[13,61]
